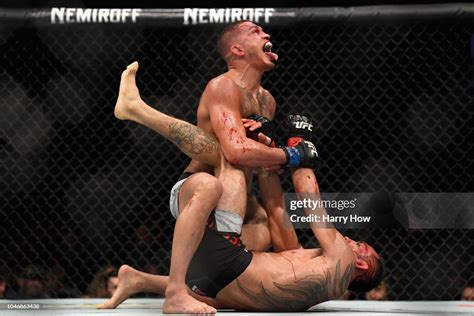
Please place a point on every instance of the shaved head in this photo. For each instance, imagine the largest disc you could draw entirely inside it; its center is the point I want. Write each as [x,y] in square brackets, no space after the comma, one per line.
[225,41]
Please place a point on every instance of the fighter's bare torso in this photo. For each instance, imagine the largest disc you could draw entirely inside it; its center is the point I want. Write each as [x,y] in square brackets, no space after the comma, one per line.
[259,102]
[235,178]
[292,280]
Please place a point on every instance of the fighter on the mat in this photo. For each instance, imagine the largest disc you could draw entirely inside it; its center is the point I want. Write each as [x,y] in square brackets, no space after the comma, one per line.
[228,97]
[290,280]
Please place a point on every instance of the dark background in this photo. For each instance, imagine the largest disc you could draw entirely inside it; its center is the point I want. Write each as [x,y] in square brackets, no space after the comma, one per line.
[392,104]
[204,4]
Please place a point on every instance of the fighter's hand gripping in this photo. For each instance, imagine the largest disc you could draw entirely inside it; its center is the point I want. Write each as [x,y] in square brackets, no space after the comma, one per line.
[300,128]
[303,155]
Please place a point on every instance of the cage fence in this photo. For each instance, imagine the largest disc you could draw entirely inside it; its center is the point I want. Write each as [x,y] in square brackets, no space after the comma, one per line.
[391,101]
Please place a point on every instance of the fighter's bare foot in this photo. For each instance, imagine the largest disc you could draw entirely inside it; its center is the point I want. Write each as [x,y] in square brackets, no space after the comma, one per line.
[129,96]
[181,302]
[129,284]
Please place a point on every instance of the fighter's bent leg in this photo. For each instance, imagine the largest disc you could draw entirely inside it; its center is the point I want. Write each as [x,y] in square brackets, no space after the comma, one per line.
[197,198]
[132,281]
[190,139]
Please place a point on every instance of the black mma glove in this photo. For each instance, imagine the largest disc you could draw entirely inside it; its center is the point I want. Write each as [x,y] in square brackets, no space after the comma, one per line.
[299,128]
[302,155]
[268,128]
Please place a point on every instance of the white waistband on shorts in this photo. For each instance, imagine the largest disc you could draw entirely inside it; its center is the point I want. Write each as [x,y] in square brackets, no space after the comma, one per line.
[228,222]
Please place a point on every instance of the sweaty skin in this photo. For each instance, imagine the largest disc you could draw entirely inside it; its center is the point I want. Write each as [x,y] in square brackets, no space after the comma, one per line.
[221,108]
[289,280]
[219,112]
[294,280]
[225,101]
[295,277]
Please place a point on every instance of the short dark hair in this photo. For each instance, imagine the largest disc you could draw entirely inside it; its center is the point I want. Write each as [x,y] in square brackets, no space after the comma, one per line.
[226,35]
[367,284]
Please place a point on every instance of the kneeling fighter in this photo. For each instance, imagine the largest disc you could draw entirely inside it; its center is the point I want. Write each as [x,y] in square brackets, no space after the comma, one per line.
[291,280]
[198,193]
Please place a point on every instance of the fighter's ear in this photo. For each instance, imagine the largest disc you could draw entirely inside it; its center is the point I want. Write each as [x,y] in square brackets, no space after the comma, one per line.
[361,264]
[237,50]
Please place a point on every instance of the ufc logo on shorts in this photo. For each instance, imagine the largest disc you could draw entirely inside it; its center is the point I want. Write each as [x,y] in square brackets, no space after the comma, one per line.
[304,125]
[312,148]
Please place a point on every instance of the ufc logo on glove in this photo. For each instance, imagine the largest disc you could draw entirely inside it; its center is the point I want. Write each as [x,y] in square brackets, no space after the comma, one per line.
[312,147]
[304,125]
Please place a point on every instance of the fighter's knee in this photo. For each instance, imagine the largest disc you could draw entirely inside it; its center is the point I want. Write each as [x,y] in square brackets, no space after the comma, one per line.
[209,184]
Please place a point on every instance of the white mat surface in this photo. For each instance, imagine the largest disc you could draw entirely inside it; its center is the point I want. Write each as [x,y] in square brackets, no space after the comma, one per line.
[150,307]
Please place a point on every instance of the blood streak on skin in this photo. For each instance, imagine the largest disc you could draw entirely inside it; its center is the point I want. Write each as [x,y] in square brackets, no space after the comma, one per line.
[225,117]
[231,132]
[243,140]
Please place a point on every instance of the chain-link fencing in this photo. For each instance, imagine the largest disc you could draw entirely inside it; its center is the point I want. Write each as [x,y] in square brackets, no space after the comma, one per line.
[392,102]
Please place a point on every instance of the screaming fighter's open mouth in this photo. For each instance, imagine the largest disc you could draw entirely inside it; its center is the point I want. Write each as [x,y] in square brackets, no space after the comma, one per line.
[267,49]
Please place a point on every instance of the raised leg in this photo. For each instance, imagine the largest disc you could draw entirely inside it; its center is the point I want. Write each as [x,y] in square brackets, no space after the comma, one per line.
[190,139]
